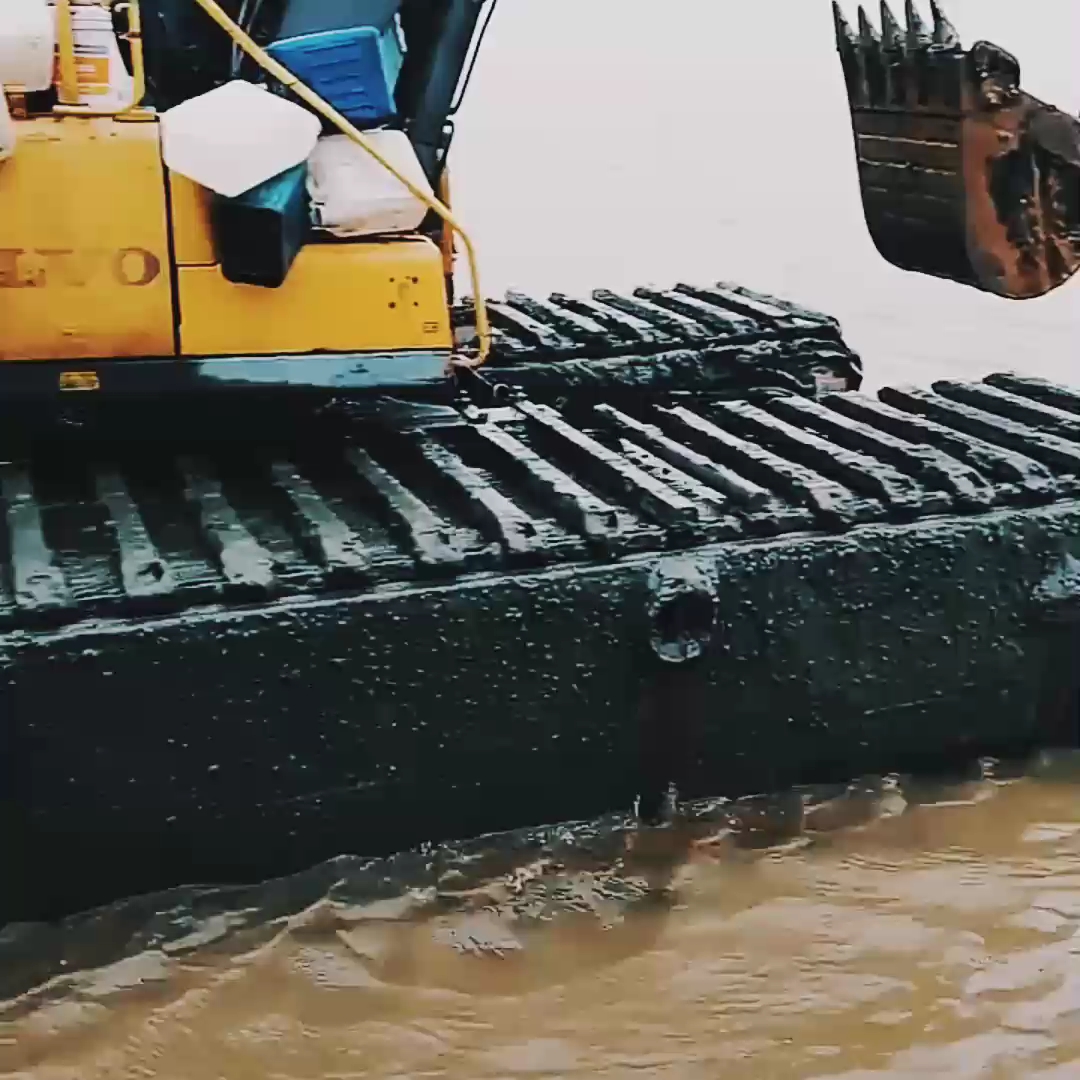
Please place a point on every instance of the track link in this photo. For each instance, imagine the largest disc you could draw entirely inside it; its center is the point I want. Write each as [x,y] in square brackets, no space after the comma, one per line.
[121,534]
[721,338]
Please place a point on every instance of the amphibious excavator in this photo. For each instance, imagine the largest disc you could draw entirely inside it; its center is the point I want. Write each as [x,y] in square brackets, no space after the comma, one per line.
[301,556]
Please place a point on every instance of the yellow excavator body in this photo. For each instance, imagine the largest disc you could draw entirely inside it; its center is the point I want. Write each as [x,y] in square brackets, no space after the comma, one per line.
[315,310]
[84,242]
[97,260]
[401,280]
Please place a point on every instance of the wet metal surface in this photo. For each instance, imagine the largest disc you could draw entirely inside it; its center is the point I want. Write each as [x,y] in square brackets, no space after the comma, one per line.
[895,929]
[721,338]
[730,596]
[927,946]
[408,499]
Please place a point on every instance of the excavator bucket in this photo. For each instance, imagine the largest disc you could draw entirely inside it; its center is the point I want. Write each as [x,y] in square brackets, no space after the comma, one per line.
[964,175]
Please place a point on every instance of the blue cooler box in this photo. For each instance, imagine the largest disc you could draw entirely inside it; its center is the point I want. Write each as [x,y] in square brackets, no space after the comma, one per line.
[354,69]
[314,16]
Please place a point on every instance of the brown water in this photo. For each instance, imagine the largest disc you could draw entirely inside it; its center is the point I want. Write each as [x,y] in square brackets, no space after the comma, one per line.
[613,143]
[936,935]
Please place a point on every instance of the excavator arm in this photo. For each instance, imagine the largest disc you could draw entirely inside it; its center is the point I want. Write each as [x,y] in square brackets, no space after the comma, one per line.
[964,175]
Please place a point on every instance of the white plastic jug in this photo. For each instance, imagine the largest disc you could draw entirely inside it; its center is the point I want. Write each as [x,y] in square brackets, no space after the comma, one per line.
[353,195]
[104,82]
[236,136]
[7,130]
[27,44]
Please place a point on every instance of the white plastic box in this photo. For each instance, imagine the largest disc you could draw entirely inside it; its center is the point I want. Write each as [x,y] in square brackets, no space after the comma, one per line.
[27,44]
[353,195]
[236,136]
[104,82]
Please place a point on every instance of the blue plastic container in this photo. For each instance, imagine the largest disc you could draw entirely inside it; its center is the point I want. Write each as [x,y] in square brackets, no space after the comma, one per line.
[301,17]
[355,69]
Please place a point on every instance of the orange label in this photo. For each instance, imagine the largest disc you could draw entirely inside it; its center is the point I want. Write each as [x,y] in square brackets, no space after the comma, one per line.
[91,73]
[79,380]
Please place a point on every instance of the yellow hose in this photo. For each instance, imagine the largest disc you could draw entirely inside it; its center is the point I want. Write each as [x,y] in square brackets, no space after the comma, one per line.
[68,88]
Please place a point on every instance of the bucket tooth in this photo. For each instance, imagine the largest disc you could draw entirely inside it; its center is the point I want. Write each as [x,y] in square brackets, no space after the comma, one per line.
[873,64]
[845,36]
[894,50]
[918,37]
[868,36]
[891,35]
[945,33]
[851,58]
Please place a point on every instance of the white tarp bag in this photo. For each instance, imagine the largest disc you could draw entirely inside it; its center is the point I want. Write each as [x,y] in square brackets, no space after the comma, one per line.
[237,136]
[353,195]
[27,44]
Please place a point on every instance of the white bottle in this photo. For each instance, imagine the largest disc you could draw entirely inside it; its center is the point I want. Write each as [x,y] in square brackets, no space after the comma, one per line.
[354,195]
[104,82]
[27,44]
[7,130]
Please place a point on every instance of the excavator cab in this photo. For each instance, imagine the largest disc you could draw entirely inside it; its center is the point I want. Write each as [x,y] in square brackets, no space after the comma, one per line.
[963,174]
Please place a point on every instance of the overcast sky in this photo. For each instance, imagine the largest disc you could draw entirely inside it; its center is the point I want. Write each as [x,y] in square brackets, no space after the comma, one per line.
[617,142]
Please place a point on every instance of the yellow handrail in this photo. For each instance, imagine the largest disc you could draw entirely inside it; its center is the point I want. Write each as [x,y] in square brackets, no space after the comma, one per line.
[68,88]
[138,61]
[325,109]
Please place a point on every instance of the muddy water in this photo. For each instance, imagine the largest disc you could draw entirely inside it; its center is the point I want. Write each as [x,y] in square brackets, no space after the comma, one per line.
[614,143]
[932,930]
